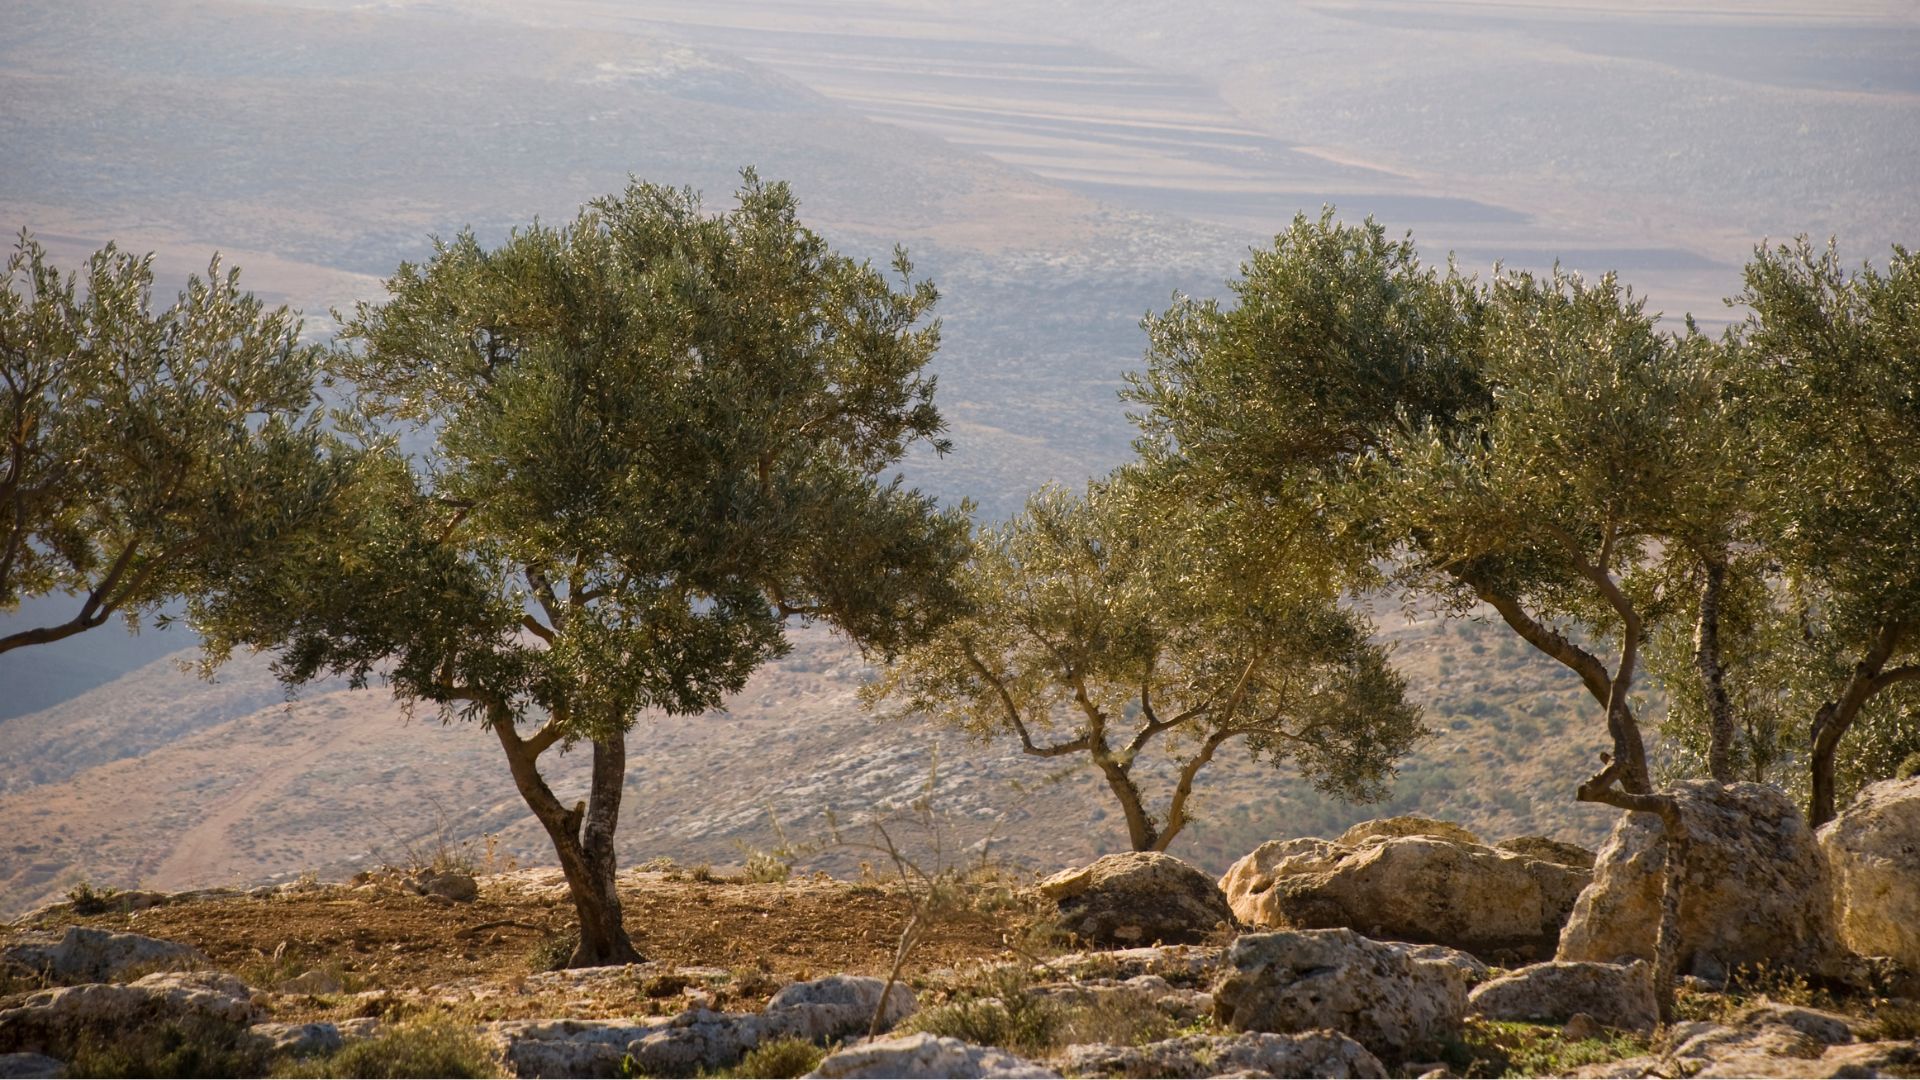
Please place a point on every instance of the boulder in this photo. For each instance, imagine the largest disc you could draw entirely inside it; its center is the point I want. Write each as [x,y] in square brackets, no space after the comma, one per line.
[1257,1053]
[1302,980]
[1614,995]
[924,1055]
[1409,879]
[1756,887]
[87,955]
[1873,849]
[1138,898]
[50,1021]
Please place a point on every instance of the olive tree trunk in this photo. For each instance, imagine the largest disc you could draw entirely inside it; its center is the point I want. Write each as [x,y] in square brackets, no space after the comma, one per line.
[583,839]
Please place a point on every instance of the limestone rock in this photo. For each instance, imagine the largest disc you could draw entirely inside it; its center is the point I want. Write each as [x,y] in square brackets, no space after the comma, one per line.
[30,1067]
[1303,980]
[1874,851]
[1425,882]
[852,999]
[299,1040]
[1393,828]
[561,1048]
[50,1020]
[1756,887]
[87,955]
[1615,995]
[1138,898]
[1258,1053]
[923,1055]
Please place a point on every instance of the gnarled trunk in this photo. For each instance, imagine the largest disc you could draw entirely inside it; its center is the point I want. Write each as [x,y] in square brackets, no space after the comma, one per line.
[583,839]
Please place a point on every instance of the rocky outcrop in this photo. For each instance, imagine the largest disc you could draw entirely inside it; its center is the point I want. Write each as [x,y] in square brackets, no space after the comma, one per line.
[86,955]
[1305,1054]
[1411,879]
[1615,995]
[1756,887]
[823,1010]
[51,1020]
[913,1056]
[1303,980]
[1873,850]
[1768,1039]
[1138,898]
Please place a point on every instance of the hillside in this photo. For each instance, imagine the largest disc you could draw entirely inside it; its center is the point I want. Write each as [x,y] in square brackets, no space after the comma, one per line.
[232,785]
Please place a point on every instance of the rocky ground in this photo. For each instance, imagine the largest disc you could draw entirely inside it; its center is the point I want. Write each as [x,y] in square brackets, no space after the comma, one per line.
[1404,947]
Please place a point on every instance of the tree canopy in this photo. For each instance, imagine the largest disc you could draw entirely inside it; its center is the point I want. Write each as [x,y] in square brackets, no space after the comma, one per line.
[148,454]
[1111,625]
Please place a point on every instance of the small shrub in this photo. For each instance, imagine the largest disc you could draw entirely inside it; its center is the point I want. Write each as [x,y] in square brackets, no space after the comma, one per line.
[1893,1021]
[766,868]
[1501,1048]
[780,1058]
[702,874]
[553,952]
[1118,1018]
[996,1009]
[430,1047]
[1909,767]
[188,1046]
[87,900]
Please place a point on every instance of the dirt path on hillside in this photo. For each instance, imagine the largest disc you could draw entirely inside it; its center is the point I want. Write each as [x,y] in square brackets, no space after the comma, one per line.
[200,857]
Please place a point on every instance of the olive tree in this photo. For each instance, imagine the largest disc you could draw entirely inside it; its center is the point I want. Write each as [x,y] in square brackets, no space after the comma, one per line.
[146,453]
[1107,626]
[1835,359]
[1559,503]
[657,435]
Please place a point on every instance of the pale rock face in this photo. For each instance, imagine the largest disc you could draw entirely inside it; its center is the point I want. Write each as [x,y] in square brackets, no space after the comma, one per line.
[50,1020]
[1873,849]
[923,1055]
[1138,898]
[1756,887]
[1618,996]
[87,955]
[1303,980]
[1306,1054]
[1411,879]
